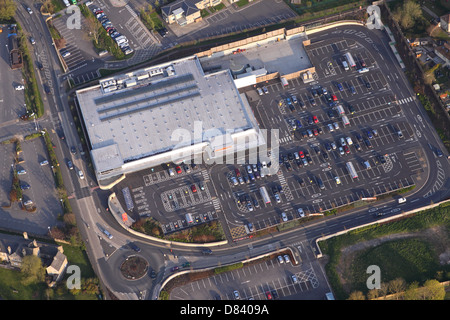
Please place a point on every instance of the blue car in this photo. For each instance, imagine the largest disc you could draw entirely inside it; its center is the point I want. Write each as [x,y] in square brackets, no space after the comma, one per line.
[340,87]
[369,134]
[298,123]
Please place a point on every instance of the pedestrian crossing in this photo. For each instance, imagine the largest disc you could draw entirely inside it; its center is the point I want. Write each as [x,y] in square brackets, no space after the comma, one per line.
[405,100]
[216,204]
[284,185]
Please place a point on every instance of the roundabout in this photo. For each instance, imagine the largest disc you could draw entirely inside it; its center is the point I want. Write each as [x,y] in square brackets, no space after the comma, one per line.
[134,267]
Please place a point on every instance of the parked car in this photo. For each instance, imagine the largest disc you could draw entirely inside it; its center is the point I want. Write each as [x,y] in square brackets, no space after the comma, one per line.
[163,32]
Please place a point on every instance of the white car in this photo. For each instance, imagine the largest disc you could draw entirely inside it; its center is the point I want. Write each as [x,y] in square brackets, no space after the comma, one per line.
[286,258]
[349,141]
[80,174]
[401,200]
[19,87]
[301,213]
[44,163]
[29,10]
[284,217]
[330,127]
[338,181]
[280,259]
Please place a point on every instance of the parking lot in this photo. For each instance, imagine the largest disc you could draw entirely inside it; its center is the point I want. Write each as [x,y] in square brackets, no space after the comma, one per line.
[313,174]
[38,186]
[11,101]
[276,278]
[235,19]
[169,197]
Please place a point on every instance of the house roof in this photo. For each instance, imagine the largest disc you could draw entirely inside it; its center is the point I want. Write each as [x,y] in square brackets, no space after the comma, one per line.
[188,6]
[445,17]
[58,261]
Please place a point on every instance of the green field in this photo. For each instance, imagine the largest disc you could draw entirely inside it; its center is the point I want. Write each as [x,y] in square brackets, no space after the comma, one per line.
[12,288]
[408,248]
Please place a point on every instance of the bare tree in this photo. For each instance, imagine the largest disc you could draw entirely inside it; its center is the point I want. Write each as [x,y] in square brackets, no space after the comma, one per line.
[92,28]
[396,286]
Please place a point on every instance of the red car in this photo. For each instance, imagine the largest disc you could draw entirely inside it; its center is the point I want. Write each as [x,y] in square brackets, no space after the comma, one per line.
[334,97]
[301,154]
[316,133]
[178,169]
[346,149]
[315,119]
[238,173]
[194,188]
[269,296]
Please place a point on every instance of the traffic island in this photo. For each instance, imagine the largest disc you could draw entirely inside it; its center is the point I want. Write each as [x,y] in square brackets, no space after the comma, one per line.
[134,267]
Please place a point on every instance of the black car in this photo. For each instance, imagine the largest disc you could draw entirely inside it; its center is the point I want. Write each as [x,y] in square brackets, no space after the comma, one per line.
[351,109]
[163,32]
[73,150]
[368,143]
[153,274]
[39,65]
[368,86]
[330,114]
[25,186]
[358,137]
[301,104]
[301,182]
[288,166]
[206,251]
[47,89]
[70,164]
[382,158]
[134,247]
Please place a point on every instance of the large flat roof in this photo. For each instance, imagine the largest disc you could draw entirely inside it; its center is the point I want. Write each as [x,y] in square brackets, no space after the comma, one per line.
[134,115]
[284,56]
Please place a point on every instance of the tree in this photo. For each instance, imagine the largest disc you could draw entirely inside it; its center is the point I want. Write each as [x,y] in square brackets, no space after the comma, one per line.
[356,295]
[408,14]
[32,270]
[7,10]
[411,292]
[92,27]
[396,286]
[433,290]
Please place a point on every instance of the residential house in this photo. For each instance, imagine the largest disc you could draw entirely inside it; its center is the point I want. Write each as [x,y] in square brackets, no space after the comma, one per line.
[443,52]
[57,267]
[444,22]
[185,12]
[53,259]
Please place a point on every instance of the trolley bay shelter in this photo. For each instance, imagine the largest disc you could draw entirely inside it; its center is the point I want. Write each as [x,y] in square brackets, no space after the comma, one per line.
[169,113]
